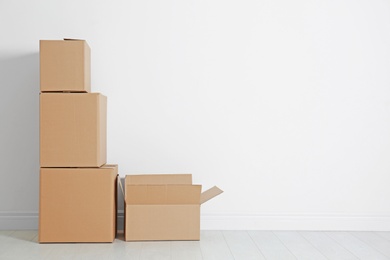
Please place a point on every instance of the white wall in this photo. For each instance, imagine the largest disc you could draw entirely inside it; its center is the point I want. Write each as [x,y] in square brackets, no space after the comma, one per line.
[283,104]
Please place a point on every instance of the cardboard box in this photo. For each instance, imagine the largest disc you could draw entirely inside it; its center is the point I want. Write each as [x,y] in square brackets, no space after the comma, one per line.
[73,129]
[163,207]
[65,65]
[77,204]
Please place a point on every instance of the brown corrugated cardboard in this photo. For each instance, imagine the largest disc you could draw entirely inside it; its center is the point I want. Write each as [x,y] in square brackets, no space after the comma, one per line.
[65,65]
[163,207]
[159,179]
[78,204]
[72,129]
[209,194]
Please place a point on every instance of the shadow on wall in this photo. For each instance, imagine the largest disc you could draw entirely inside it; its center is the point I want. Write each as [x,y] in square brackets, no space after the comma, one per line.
[19,133]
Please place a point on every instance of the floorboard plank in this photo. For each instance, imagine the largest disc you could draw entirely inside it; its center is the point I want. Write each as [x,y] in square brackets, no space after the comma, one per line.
[189,250]
[242,246]
[270,245]
[213,246]
[299,246]
[327,246]
[19,247]
[27,235]
[99,251]
[379,243]
[131,250]
[6,232]
[356,246]
[156,250]
[384,234]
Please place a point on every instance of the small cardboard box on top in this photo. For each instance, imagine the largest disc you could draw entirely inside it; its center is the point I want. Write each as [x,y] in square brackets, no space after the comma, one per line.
[163,207]
[65,65]
[78,204]
[73,129]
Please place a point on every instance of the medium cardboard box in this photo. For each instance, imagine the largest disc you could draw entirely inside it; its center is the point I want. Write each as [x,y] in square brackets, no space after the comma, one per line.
[163,207]
[72,129]
[77,204]
[65,65]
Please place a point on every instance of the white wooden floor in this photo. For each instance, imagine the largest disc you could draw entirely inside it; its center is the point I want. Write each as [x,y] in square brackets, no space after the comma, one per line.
[223,245]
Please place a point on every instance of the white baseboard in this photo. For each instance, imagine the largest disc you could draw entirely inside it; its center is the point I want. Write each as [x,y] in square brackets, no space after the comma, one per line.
[18,220]
[297,222]
[29,220]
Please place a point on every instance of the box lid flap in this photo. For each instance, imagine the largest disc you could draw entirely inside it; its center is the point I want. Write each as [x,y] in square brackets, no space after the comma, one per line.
[162,194]
[158,179]
[209,194]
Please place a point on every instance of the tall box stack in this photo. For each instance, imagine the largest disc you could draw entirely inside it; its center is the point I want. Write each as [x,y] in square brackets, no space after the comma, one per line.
[77,198]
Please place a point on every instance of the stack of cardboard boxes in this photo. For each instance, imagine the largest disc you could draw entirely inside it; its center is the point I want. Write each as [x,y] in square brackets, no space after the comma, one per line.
[77,187]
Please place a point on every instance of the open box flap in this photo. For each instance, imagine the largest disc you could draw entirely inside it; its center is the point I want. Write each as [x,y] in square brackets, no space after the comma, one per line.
[156,179]
[163,194]
[209,194]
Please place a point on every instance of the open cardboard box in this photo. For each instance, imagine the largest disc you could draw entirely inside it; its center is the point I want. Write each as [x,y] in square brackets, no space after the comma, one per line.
[163,207]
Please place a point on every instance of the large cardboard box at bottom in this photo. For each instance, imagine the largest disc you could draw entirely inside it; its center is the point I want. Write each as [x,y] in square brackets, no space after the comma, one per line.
[163,207]
[78,204]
